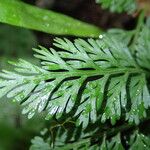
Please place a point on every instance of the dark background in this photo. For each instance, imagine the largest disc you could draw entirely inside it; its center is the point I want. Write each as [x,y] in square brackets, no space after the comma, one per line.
[85,10]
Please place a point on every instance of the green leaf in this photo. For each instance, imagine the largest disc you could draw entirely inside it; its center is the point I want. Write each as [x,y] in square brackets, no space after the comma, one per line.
[90,79]
[140,99]
[115,143]
[119,5]
[23,15]
[121,35]
[38,144]
[139,141]
[20,41]
[142,46]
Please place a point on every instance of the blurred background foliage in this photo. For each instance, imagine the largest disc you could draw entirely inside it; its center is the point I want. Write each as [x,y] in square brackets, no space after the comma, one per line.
[14,43]
[16,131]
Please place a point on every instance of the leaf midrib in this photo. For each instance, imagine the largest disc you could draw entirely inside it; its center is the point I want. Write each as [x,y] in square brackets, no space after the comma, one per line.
[89,73]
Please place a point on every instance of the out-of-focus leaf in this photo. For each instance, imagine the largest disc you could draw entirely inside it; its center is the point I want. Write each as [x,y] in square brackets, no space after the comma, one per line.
[129,6]
[23,15]
[139,141]
[38,144]
[15,41]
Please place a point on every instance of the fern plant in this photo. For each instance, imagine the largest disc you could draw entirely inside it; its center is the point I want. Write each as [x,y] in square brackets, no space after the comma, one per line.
[94,92]
[118,6]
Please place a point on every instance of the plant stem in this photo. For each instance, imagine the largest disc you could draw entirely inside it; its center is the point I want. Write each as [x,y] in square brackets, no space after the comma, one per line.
[79,73]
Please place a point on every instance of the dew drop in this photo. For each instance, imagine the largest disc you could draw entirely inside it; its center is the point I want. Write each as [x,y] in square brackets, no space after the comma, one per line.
[137,92]
[30,115]
[142,135]
[45,17]
[14,100]
[123,105]
[144,145]
[134,110]
[115,99]
[101,36]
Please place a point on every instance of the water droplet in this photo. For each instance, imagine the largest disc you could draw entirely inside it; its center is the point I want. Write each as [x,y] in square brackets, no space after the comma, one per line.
[14,100]
[123,105]
[45,17]
[101,36]
[137,92]
[30,115]
[142,135]
[115,98]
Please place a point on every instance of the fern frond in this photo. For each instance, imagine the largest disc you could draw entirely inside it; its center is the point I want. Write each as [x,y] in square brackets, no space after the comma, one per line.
[139,141]
[119,5]
[117,140]
[38,143]
[90,79]
[142,47]
[115,143]
[121,35]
